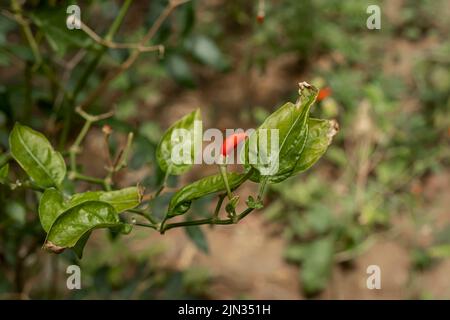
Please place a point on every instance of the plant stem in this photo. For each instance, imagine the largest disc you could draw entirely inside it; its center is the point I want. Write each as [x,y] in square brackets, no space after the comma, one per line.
[118,20]
[133,56]
[109,36]
[144,214]
[17,9]
[79,176]
[213,220]
[26,184]
[196,223]
[28,91]
[147,225]
[82,81]
[218,206]
[223,173]
[75,149]
[244,213]
[262,188]
[164,183]
[120,162]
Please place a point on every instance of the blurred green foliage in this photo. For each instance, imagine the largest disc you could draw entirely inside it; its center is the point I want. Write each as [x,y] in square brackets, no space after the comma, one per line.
[394,129]
[394,118]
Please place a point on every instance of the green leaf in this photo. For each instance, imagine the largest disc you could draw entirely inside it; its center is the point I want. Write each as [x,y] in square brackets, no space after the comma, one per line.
[123,228]
[206,51]
[254,204]
[291,120]
[121,200]
[4,171]
[180,71]
[166,145]
[295,253]
[71,225]
[52,203]
[36,156]
[16,211]
[51,206]
[320,135]
[197,236]
[439,251]
[317,263]
[182,200]
[81,243]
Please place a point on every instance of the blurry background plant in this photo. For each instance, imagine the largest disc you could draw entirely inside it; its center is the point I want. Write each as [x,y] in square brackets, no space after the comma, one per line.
[386,179]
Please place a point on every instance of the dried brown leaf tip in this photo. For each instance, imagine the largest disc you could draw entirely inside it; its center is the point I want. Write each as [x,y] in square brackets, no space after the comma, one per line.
[303,85]
[334,129]
[141,191]
[50,246]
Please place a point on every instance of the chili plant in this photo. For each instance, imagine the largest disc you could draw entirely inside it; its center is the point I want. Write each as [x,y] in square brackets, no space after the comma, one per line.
[69,219]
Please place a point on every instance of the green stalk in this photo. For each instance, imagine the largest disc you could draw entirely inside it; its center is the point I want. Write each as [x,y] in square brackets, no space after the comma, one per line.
[82,81]
[79,176]
[144,214]
[164,183]
[223,173]
[76,146]
[262,188]
[17,9]
[218,206]
[109,36]
[196,223]
[118,20]
[28,91]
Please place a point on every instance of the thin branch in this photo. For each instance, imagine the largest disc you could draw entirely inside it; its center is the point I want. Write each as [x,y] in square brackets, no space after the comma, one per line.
[133,56]
[144,214]
[94,118]
[245,213]
[212,220]
[88,70]
[219,205]
[147,225]
[79,176]
[196,223]
[75,148]
[18,17]
[115,45]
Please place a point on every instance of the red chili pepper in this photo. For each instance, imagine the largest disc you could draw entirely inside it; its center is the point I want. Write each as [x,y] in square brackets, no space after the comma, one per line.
[260,18]
[232,142]
[323,93]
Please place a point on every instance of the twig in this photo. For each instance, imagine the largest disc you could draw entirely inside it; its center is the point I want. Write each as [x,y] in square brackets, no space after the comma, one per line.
[82,80]
[115,45]
[133,56]
[79,176]
[219,205]
[164,183]
[18,17]
[144,214]
[75,148]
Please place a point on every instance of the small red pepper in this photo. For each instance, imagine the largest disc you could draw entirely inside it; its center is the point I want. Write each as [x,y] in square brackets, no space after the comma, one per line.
[323,93]
[232,141]
[260,18]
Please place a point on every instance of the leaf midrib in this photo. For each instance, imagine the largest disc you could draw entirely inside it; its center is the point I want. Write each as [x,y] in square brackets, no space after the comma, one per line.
[22,141]
[292,126]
